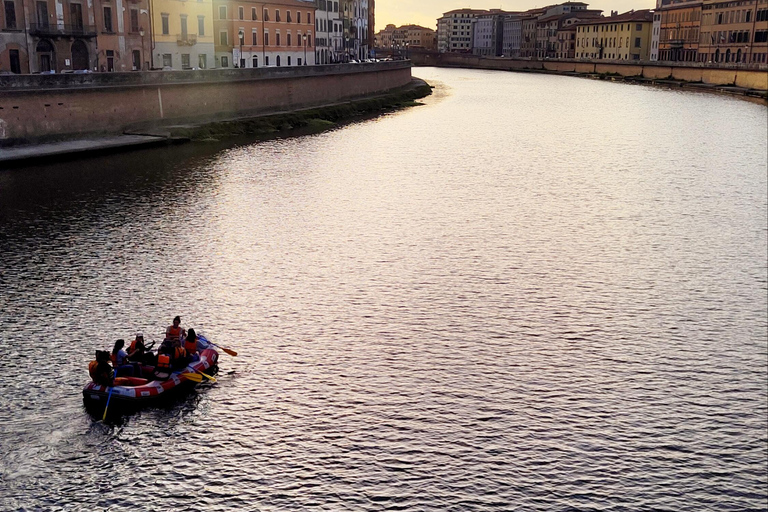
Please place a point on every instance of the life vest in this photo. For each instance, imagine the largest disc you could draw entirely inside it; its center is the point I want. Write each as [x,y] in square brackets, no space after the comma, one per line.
[163,363]
[113,358]
[132,348]
[190,346]
[173,332]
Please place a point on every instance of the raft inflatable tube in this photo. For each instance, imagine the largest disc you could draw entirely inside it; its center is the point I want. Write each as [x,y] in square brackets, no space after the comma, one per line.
[138,391]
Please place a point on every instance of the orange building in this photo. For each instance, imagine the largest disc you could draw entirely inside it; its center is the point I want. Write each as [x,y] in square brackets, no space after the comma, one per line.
[734,32]
[123,35]
[679,30]
[252,34]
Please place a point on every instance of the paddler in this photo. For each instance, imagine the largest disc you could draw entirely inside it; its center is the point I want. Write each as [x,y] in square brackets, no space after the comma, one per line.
[174,332]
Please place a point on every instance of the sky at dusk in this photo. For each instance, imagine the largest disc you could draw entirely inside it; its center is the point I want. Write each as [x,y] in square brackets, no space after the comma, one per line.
[426,12]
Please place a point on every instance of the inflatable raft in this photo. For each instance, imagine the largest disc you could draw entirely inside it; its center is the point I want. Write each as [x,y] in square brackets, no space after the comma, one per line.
[135,391]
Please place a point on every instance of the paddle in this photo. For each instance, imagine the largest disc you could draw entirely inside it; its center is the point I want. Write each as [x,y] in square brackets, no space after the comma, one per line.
[109,397]
[194,377]
[199,373]
[228,351]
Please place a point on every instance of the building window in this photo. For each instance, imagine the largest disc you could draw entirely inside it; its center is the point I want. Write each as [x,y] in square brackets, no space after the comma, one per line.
[277,15]
[202,61]
[241,12]
[253,14]
[224,62]
[288,41]
[13,55]
[277,39]
[166,27]
[108,19]
[278,61]
[298,17]
[185,61]
[135,21]
[289,60]
[266,60]
[201,25]
[255,62]
[167,60]
[266,15]
[288,16]
[253,35]
[10,14]
[266,40]
[222,12]
[223,38]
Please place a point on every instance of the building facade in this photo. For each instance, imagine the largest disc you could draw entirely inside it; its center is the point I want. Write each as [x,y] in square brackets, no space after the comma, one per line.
[513,30]
[734,32]
[329,33]
[254,34]
[619,37]
[488,34]
[454,30]
[182,34]
[679,29]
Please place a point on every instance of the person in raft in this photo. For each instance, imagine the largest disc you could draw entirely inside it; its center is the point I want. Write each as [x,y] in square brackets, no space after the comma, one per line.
[138,351]
[123,367]
[190,345]
[100,370]
[174,332]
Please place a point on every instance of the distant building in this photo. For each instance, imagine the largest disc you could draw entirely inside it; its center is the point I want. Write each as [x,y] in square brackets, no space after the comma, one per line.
[251,34]
[328,32]
[488,34]
[454,30]
[618,37]
[655,33]
[734,32]
[679,28]
[513,33]
[183,33]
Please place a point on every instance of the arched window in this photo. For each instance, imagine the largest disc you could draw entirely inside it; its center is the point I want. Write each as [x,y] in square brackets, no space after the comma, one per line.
[278,61]
[255,61]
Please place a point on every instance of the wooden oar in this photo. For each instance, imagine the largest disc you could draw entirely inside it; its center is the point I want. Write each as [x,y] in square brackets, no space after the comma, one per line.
[228,351]
[199,373]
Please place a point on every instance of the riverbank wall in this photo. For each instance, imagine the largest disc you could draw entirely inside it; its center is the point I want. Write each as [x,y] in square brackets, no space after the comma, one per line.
[42,108]
[747,79]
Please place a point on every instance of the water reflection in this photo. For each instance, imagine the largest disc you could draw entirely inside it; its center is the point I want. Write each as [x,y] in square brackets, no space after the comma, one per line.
[532,293]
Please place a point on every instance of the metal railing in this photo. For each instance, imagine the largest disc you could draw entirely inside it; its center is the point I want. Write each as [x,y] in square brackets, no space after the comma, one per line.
[186,39]
[39,29]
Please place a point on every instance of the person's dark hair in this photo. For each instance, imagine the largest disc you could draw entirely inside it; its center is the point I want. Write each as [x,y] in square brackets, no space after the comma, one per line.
[102,356]
[118,345]
[177,319]
[191,336]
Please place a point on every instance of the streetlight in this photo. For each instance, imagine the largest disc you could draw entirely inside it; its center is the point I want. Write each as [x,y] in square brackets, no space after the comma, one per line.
[141,33]
[304,37]
[241,35]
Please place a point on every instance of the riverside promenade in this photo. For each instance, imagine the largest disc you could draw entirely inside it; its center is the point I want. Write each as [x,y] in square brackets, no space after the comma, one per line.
[40,109]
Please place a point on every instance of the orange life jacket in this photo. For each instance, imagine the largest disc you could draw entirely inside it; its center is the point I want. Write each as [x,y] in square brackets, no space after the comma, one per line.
[173,332]
[179,353]
[113,358]
[190,346]
[163,362]
[132,348]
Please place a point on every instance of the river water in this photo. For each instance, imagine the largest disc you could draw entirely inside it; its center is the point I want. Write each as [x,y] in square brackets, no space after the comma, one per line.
[531,293]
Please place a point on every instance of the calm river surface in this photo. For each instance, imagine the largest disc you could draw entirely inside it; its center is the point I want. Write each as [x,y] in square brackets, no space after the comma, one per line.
[532,293]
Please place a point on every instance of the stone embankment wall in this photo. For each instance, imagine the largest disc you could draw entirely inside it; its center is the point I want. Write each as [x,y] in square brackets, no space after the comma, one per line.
[35,108]
[746,78]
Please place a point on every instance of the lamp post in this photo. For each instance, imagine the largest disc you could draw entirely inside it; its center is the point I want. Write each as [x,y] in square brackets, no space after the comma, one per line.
[141,33]
[241,35]
[304,37]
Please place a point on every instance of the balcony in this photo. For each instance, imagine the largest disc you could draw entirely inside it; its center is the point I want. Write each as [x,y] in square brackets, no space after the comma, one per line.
[53,30]
[186,39]
[676,43]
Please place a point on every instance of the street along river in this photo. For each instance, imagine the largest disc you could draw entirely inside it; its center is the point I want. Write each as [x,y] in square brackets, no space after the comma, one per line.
[531,293]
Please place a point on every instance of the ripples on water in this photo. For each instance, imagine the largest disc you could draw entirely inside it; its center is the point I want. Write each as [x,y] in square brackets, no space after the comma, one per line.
[533,293]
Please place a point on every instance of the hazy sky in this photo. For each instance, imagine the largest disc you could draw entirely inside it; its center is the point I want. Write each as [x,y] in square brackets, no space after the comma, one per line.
[426,12]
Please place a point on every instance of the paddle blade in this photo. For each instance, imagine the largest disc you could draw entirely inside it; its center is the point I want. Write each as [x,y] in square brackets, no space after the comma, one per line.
[194,377]
[228,351]
[212,379]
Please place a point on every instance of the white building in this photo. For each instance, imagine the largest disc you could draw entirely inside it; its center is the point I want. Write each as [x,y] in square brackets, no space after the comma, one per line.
[454,30]
[513,33]
[329,41]
[655,31]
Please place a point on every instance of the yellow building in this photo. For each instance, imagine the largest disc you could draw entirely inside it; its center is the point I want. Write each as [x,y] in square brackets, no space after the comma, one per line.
[618,37]
[182,34]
